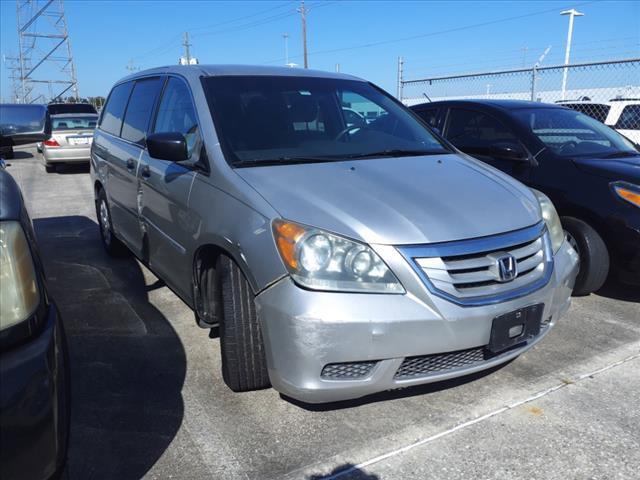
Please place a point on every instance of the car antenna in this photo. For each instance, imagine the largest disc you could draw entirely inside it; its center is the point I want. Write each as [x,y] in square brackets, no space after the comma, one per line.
[426,96]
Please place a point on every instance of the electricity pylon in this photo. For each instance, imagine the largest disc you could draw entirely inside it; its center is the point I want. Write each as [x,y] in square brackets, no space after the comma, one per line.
[45,69]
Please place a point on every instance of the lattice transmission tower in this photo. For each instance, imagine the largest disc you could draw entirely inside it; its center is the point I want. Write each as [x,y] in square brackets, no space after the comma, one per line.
[44,69]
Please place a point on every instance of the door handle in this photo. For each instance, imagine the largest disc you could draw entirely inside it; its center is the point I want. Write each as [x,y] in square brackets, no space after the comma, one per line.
[145,173]
[130,164]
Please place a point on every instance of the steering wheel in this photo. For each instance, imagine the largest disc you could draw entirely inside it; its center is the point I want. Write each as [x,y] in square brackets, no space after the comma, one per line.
[570,144]
[342,133]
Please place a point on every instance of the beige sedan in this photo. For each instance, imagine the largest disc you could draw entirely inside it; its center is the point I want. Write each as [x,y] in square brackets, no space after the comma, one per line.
[71,138]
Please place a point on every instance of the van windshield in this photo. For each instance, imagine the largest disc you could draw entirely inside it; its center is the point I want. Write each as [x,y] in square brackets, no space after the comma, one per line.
[263,120]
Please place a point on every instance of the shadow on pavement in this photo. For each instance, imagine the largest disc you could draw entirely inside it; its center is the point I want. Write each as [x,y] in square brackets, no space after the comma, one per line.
[72,168]
[396,394]
[348,471]
[127,363]
[21,155]
[616,290]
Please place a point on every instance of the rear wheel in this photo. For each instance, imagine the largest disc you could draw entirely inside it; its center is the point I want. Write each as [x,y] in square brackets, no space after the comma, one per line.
[50,168]
[593,253]
[111,244]
[244,363]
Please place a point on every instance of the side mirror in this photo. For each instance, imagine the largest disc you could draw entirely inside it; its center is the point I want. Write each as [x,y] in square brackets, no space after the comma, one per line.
[21,124]
[170,146]
[508,151]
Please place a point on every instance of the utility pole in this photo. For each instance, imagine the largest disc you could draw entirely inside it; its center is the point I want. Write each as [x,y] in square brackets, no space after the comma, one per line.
[186,45]
[572,13]
[303,17]
[286,48]
[400,80]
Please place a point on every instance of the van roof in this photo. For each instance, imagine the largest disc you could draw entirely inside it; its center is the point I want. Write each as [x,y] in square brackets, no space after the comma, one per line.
[231,70]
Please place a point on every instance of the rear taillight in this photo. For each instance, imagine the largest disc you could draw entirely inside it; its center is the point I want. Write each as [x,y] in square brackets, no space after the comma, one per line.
[51,143]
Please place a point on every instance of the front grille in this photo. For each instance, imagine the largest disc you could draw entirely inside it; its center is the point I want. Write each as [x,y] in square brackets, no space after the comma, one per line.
[468,270]
[347,371]
[430,364]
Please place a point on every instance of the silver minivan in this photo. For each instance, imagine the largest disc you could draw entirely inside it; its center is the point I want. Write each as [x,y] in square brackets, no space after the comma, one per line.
[337,257]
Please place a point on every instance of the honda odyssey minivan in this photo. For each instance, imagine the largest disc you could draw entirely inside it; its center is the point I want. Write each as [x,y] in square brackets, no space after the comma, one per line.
[338,259]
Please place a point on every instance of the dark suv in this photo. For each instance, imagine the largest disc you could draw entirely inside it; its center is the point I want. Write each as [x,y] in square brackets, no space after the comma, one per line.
[590,172]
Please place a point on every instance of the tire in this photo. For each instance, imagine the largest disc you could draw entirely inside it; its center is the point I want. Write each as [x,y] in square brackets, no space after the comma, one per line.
[110,242]
[594,256]
[9,154]
[50,168]
[244,363]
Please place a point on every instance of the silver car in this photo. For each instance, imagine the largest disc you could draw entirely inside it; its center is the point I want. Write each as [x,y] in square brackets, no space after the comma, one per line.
[337,260]
[70,142]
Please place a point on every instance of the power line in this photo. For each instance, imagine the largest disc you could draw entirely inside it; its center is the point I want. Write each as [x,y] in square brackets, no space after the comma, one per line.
[432,34]
[244,17]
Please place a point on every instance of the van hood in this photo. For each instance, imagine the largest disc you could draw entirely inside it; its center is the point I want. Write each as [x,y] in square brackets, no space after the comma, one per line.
[398,201]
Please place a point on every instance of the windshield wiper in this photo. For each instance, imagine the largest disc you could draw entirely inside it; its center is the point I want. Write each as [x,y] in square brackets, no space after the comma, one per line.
[281,161]
[397,153]
[622,154]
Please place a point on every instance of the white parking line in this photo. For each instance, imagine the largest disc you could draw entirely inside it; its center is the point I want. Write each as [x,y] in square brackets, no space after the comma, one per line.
[476,420]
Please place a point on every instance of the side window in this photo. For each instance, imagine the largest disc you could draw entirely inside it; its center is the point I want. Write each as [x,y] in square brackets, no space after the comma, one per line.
[629,118]
[429,115]
[359,109]
[468,129]
[111,120]
[177,114]
[136,118]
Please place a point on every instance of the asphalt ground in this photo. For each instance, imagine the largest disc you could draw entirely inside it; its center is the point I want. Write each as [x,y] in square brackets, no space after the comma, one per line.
[149,400]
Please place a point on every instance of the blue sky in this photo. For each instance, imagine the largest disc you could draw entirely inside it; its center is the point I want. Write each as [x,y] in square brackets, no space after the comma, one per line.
[435,38]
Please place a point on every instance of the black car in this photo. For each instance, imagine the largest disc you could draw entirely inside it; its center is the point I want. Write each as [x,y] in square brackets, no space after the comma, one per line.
[34,375]
[590,172]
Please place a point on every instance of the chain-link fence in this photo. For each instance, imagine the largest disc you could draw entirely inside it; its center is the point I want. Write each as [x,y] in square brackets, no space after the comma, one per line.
[586,84]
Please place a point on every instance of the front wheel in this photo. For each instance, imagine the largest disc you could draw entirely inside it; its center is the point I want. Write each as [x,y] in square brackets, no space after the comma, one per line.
[244,363]
[593,253]
[111,244]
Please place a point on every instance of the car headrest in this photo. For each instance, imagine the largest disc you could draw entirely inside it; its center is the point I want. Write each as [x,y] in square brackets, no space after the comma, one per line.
[303,108]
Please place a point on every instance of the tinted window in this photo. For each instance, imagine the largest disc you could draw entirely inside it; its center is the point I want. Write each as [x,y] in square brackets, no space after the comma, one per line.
[177,114]
[468,129]
[262,119]
[429,115]
[58,108]
[629,118]
[569,133]
[138,114]
[114,109]
[21,118]
[74,122]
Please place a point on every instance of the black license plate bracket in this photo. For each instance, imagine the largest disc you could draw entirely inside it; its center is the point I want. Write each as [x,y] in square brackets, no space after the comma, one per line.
[513,328]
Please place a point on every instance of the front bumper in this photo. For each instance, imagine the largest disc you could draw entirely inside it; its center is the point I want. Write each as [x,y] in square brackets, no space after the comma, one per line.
[305,330]
[67,154]
[34,405]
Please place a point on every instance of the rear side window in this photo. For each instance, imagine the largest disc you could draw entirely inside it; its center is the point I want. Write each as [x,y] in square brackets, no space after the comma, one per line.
[472,129]
[111,121]
[629,118]
[176,113]
[429,115]
[136,119]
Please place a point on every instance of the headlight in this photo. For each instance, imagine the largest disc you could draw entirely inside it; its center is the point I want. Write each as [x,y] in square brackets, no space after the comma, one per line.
[551,218]
[19,296]
[320,260]
[627,191]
